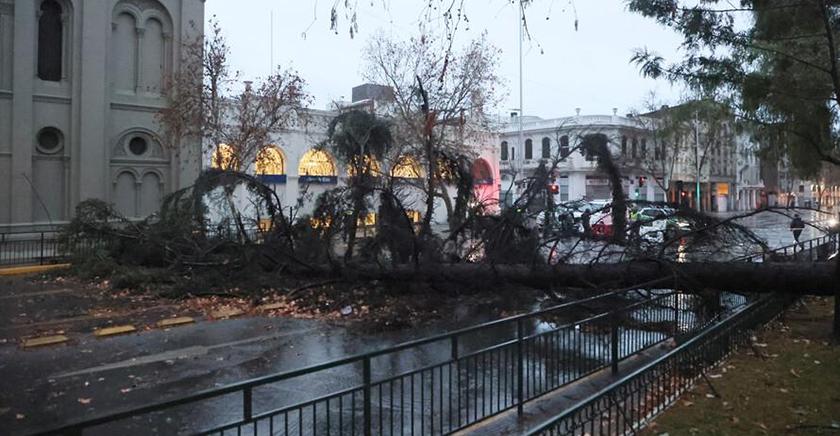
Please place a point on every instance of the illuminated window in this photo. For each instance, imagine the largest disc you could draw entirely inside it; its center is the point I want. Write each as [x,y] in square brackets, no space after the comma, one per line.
[265,225]
[270,161]
[414,215]
[320,223]
[445,171]
[224,158]
[371,167]
[316,163]
[407,167]
[368,220]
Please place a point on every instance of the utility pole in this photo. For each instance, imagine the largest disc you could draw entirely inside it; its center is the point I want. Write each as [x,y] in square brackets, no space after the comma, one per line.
[521,77]
[697,162]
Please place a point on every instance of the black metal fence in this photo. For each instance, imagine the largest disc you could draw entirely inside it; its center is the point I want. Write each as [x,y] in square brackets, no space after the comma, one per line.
[39,248]
[629,404]
[519,359]
[812,250]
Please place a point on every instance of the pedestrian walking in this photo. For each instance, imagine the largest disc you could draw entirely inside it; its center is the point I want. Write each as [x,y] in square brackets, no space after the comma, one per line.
[797,226]
[584,220]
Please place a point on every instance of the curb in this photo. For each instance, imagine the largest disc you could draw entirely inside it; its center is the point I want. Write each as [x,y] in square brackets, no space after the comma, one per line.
[31,269]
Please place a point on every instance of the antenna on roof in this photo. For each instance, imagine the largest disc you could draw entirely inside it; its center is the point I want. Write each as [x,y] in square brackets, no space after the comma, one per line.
[271,37]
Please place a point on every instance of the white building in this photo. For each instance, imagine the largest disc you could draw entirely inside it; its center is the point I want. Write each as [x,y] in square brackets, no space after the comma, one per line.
[297,169]
[577,175]
[80,84]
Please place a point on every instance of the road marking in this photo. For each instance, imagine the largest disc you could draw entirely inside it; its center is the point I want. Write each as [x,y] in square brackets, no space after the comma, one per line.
[116,330]
[172,322]
[181,353]
[272,306]
[44,340]
[226,313]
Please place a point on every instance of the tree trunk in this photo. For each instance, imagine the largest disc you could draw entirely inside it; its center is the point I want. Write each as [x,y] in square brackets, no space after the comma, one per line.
[790,278]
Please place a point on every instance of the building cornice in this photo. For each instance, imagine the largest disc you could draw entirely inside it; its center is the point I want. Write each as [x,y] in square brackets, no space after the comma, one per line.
[137,107]
[44,98]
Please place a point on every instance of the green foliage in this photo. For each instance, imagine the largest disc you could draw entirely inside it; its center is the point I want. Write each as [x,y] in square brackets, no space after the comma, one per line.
[774,60]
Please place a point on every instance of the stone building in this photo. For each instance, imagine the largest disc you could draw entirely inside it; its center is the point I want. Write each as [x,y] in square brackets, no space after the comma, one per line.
[577,176]
[80,84]
[299,168]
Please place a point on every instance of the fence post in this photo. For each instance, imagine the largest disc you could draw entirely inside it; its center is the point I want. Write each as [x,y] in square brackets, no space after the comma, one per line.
[247,404]
[520,367]
[676,314]
[454,347]
[42,248]
[614,342]
[367,397]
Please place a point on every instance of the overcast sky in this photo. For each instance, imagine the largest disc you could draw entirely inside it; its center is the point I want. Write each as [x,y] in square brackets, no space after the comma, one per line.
[588,68]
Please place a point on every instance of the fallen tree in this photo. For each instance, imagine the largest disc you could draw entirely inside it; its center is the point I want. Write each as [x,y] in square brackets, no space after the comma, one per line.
[790,278]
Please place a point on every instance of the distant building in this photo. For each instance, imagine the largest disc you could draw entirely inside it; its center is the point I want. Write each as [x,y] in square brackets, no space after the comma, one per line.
[299,171]
[576,176]
[80,83]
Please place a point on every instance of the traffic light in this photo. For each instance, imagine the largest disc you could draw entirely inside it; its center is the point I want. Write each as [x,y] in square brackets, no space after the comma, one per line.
[555,189]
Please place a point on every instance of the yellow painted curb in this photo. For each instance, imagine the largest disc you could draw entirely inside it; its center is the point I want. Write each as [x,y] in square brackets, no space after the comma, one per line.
[31,269]
[226,313]
[44,340]
[172,322]
[272,306]
[111,331]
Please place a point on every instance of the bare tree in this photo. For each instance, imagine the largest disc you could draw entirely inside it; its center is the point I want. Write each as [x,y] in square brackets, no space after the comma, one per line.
[208,101]
[441,100]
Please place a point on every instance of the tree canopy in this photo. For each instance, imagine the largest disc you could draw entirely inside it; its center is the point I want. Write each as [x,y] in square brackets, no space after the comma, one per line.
[775,61]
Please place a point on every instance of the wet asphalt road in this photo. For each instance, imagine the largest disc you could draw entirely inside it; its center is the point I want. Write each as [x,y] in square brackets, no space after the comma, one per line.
[47,387]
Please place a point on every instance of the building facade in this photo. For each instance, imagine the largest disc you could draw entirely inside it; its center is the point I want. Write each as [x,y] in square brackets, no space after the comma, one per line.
[576,175]
[80,84]
[299,168]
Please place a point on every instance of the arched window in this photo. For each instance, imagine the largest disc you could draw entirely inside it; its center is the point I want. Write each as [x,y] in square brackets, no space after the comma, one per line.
[564,146]
[529,149]
[546,148]
[50,41]
[407,167]
[481,173]
[504,150]
[224,158]
[316,163]
[370,167]
[270,161]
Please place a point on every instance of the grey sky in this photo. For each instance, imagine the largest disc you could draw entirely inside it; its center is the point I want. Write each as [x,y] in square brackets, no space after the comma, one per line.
[588,68]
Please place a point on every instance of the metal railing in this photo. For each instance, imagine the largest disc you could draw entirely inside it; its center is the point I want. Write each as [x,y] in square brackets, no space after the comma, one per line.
[527,356]
[39,248]
[806,250]
[629,404]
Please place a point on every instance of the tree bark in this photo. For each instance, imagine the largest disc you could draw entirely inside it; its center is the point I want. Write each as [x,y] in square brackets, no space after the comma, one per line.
[790,278]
